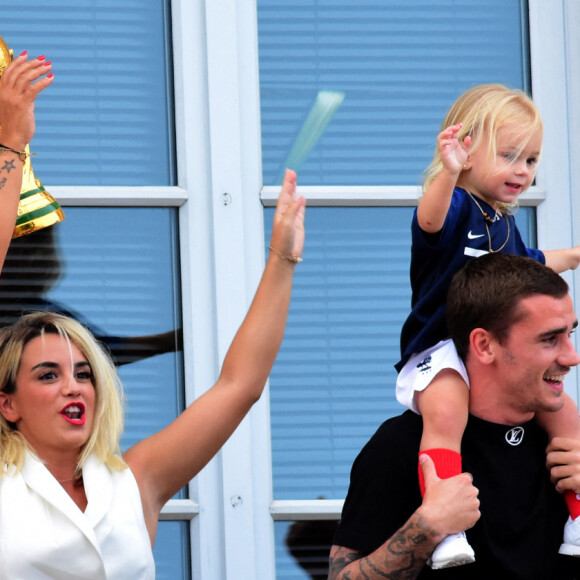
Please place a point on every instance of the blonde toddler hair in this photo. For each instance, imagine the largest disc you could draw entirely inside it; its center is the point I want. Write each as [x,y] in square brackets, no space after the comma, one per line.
[484,110]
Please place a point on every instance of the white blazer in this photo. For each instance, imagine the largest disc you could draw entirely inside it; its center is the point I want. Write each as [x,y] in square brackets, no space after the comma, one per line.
[44,535]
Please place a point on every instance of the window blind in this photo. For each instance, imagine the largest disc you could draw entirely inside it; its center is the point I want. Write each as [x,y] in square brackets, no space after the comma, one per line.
[108,117]
[398,64]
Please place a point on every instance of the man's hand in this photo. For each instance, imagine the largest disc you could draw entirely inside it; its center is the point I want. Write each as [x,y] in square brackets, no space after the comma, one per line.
[450,505]
[563,461]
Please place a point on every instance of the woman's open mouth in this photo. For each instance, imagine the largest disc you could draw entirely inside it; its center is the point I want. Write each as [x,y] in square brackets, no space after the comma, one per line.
[74,413]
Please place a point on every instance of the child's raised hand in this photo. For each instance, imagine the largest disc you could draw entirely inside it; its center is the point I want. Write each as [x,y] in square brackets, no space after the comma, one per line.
[453,153]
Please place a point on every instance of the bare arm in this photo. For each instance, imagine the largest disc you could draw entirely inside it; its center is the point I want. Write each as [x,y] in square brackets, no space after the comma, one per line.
[449,506]
[22,81]
[165,462]
[562,260]
[434,204]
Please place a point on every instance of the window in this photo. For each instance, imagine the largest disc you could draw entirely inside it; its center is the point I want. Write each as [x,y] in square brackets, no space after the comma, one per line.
[108,117]
[356,92]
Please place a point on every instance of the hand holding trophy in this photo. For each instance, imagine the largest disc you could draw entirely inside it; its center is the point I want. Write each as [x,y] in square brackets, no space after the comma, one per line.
[37,209]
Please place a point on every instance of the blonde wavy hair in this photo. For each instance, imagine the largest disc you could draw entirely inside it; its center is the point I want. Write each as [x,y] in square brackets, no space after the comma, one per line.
[483,111]
[109,419]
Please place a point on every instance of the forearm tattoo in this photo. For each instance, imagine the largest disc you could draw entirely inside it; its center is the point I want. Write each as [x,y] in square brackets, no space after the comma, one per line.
[340,558]
[401,557]
[6,168]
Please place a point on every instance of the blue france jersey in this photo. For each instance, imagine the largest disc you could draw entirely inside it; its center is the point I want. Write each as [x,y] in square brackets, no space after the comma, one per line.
[436,258]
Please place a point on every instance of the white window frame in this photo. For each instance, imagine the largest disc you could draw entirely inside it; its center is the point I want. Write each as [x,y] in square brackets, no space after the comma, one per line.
[219,197]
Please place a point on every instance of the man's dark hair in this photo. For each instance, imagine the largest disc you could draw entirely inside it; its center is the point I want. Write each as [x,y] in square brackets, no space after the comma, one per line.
[487,291]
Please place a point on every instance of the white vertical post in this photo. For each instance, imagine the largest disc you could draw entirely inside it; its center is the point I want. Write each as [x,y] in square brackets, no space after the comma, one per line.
[197,257]
[237,218]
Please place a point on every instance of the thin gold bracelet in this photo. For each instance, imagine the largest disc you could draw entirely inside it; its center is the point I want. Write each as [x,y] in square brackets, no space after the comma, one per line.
[290,258]
[22,155]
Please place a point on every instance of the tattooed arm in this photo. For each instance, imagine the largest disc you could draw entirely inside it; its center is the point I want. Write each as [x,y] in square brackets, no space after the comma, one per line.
[449,506]
[402,556]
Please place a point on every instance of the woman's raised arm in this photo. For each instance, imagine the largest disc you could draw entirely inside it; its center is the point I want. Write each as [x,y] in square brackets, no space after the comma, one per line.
[165,462]
[21,82]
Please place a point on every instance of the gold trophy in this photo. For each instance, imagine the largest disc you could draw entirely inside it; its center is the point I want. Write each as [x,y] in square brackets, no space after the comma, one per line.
[37,209]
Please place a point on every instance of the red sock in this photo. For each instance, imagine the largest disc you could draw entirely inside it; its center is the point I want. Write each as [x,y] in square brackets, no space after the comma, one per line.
[573,504]
[447,464]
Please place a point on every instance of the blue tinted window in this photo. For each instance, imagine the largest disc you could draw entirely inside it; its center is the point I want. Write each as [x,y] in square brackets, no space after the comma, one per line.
[171,551]
[108,117]
[355,93]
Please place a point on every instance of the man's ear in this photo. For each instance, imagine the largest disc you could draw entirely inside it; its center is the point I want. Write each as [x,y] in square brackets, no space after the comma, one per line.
[7,409]
[482,346]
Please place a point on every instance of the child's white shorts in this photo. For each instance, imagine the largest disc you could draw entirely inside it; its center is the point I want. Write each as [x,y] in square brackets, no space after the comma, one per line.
[422,368]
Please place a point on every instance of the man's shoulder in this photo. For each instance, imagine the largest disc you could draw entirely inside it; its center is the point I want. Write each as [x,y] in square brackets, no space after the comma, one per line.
[397,435]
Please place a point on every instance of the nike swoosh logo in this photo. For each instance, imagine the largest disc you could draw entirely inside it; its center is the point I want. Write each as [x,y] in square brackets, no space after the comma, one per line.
[474,236]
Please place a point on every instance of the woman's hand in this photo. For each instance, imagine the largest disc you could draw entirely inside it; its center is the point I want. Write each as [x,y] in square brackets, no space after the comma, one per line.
[20,84]
[288,226]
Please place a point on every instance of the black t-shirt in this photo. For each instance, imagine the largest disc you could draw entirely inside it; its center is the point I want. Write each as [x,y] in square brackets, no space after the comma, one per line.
[522,516]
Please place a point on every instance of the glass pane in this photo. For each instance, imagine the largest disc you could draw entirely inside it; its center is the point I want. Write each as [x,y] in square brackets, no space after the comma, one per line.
[108,117]
[333,382]
[302,549]
[356,92]
[171,551]
[526,222]
[117,271]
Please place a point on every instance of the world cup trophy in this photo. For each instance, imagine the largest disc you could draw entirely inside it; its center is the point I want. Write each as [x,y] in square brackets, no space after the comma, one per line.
[37,209]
